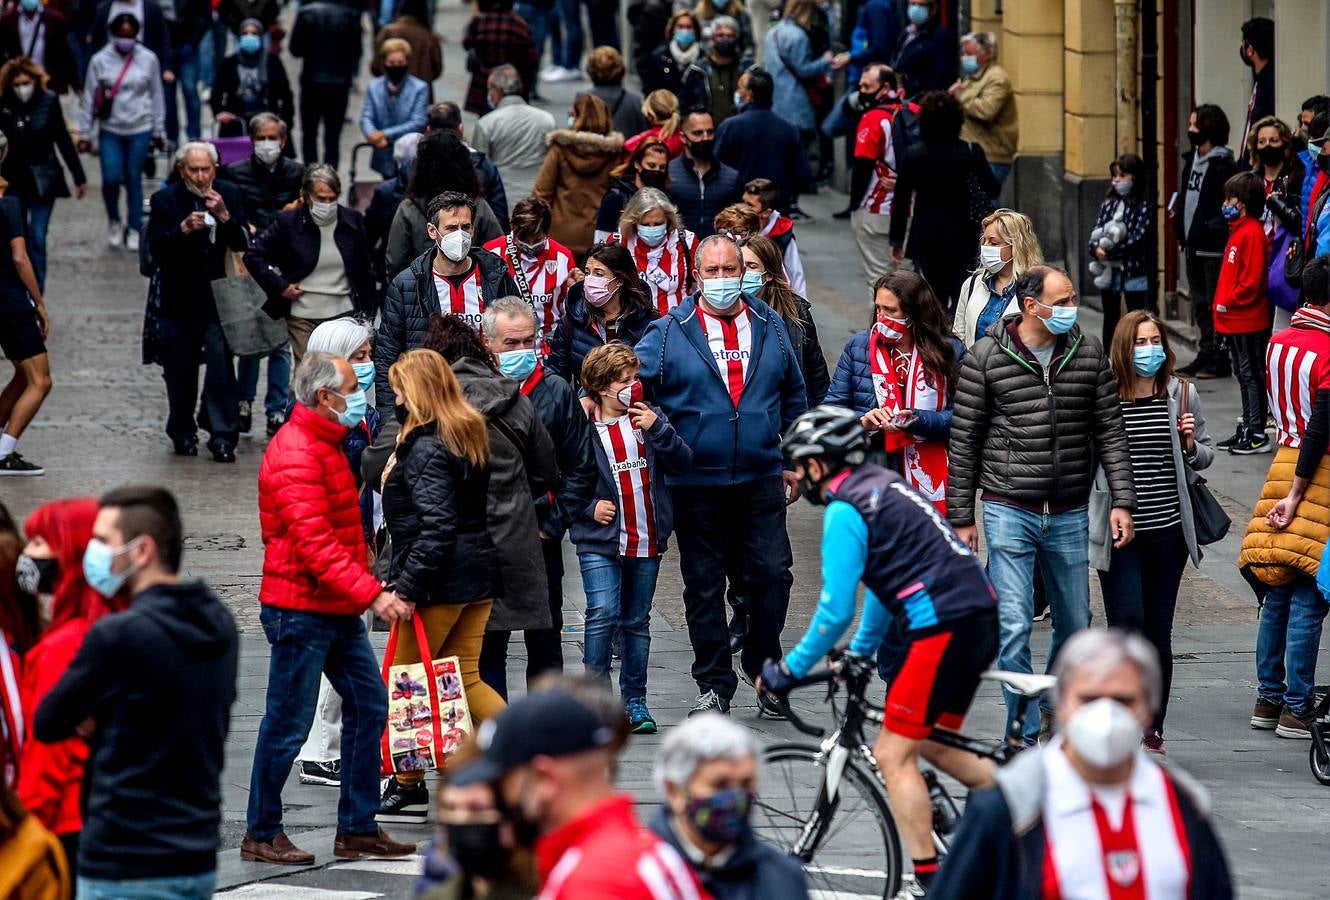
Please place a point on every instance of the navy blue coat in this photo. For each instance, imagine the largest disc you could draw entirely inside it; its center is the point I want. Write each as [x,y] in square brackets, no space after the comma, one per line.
[666,454]
[927,59]
[852,388]
[574,337]
[730,445]
[699,199]
[757,143]
[755,870]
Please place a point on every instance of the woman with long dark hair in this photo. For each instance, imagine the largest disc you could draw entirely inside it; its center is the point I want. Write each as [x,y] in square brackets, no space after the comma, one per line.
[611,304]
[764,278]
[1270,151]
[900,377]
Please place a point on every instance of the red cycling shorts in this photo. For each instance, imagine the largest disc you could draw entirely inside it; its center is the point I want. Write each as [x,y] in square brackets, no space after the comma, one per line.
[938,676]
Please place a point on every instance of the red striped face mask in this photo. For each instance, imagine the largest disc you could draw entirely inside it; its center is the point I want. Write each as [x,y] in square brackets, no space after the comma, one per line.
[631,394]
[893,331]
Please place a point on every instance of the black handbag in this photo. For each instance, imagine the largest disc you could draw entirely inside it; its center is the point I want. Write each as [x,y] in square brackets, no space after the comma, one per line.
[1210,521]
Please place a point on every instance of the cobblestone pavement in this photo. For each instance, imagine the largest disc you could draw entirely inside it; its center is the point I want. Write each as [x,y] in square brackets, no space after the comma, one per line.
[103,426]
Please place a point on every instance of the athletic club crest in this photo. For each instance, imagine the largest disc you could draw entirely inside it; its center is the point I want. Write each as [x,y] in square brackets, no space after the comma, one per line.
[551,266]
[1123,866]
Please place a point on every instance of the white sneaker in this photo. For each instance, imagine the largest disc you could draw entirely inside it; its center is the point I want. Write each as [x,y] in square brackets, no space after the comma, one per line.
[132,241]
[550,71]
[115,236]
[561,74]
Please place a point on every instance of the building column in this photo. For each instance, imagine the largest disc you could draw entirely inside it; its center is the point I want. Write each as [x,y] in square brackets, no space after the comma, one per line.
[1031,51]
[1090,125]
[1302,67]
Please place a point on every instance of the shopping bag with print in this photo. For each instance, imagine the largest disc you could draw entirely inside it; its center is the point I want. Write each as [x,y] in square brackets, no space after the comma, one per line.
[414,734]
[455,714]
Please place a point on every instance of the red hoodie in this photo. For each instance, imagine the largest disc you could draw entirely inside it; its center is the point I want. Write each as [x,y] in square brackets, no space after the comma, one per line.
[1240,302]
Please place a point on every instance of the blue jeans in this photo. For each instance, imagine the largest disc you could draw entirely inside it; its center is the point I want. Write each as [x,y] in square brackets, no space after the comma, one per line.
[837,124]
[1000,172]
[387,12]
[1062,544]
[184,62]
[568,52]
[279,380]
[619,590]
[212,50]
[38,214]
[179,887]
[305,644]
[122,157]
[1290,629]
[538,20]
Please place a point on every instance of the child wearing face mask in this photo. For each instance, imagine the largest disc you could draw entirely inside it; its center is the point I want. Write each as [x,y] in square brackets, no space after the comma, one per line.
[622,534]
[1117,252]
[1242,312]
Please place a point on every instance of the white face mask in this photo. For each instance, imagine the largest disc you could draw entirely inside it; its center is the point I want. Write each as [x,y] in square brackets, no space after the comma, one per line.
[323,213]
[455,245]
[267,151]
[24,92]
[1104,733]
[990,258]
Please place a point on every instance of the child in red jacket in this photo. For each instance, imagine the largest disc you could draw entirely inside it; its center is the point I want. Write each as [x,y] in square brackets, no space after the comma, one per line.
[1242,313]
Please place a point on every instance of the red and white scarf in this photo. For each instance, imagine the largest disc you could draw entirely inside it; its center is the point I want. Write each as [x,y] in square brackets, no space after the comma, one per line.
[924,462]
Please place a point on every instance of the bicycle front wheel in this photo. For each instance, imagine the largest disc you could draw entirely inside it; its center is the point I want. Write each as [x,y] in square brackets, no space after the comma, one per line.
[848,844]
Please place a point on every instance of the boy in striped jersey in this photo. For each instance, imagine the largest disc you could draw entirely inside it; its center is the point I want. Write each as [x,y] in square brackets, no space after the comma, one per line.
[622,533]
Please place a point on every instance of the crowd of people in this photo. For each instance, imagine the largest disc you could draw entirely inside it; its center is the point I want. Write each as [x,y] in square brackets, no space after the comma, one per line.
[599,329]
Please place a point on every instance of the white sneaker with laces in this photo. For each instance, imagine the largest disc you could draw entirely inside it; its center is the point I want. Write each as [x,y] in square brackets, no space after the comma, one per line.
[132,241]
[115,235]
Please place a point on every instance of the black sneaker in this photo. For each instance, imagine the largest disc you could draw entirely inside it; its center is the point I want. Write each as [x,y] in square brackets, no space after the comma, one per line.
[843,214]
[325,773]
[246,416]
[13,464]
[738,629]
[1231,442]
[274,422]
[222,452]
[710,702]
[1254,443]
[1201,361]
[1218,368]
[404,803]
[768,709]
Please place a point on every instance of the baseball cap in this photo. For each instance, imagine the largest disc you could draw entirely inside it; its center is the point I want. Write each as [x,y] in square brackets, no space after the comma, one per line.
[550,723]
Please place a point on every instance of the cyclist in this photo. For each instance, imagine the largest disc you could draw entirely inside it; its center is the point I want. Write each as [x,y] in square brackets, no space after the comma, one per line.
[922,582]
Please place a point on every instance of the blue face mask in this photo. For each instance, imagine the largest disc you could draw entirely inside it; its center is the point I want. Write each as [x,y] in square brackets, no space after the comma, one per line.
[97,559]
[1230,212]
[685,38]
[364,374]
[722,293]
[752,282]
[30,6]
[652,235]
[918,14]
[1062,320]
[969,64]
[517,363]
[1147,360]
[356,407]
[249,43]
[737,102]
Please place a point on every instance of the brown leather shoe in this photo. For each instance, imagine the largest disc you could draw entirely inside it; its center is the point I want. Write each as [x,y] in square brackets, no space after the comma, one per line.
[279,850]
[355,846]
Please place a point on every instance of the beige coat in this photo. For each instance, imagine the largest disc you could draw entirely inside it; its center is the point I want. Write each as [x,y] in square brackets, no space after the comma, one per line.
[990,113]
[573,181]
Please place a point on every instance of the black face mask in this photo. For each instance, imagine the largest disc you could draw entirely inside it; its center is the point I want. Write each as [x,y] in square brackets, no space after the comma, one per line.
[395,73]
[37,576]
[399,413]
[1195,138]
[724,48]
[701,149]
[652,178]
[1270,155]
[478,850]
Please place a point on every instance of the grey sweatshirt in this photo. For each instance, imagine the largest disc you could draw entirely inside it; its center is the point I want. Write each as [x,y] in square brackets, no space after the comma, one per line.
[138,105]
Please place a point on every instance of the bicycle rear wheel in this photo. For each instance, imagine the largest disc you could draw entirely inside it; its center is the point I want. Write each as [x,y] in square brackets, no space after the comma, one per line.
[850,846]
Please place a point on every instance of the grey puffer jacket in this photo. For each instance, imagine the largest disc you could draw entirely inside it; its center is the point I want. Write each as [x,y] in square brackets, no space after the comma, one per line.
[1030,443]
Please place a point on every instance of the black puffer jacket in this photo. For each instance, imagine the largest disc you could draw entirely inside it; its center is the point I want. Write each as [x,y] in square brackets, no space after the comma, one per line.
[266,191]
[411,300]
[1029,443]
[812,361]
[434,505]
[574,336]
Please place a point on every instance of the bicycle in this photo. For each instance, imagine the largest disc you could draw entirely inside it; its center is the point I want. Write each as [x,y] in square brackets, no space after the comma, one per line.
[817,820]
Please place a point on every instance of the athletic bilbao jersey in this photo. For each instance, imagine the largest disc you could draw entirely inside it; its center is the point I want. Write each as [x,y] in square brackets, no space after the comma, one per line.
[731,344]
[546,277]
[464,299]
[626,451]
[664,267]
[873,141]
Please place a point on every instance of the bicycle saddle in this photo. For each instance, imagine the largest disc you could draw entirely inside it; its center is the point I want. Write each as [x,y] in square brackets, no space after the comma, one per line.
[1021,683]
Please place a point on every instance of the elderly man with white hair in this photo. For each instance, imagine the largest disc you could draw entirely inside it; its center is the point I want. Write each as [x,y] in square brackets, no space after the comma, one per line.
[1091,814]
[985,94]
[707,773]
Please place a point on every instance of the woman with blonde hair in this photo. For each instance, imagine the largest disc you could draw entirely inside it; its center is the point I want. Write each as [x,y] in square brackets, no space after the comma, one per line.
[1009,246]
[662,248]
[661,109]
[576,172]
[444,563]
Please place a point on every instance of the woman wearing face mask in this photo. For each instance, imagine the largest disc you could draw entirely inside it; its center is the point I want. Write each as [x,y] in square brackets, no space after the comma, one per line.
[764,278]
[611,304]
[123,105]
[662,249]
[900,377]
[663,69]
[313,260]
[1270,153]
[51,568]
[547,269]
[250,81]
[31,168]
[1119,258]
[1166,436]
[646,166]
[1008,247]
[707,774]
[396,104]
[576,171]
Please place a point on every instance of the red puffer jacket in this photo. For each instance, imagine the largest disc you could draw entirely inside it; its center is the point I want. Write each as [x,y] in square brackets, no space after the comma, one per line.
[50,775]
[314,546]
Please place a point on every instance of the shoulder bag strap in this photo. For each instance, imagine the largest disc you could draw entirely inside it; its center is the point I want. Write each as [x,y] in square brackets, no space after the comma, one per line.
[115,89]
[38,27]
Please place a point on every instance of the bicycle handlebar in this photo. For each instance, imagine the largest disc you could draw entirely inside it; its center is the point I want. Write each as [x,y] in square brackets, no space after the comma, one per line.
[783,705]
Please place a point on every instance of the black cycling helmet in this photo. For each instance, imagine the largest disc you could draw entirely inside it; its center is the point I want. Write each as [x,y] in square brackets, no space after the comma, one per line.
[829,433]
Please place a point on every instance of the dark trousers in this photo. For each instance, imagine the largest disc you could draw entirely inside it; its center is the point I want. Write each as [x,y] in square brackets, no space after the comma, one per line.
[220,408]
[1112,301]
[1141,593]
[544,646]
[70,843]
[1202,276]
[1248,353]
[945,273]
[732,528]
[322,104]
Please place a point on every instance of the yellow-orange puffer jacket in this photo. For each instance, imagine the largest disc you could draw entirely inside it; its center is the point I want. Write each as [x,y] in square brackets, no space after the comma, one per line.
[1276,557]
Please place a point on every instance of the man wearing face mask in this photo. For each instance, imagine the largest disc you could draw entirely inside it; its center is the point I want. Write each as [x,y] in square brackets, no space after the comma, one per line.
[140,839]
[985,94]
[1035,405]
[451,277]
[699,184]
[41,33]
[926,56]
[727,379]
[709,83]
[1091,814]
[316,586]
[873,178]
[757,143]
[1257,52]
[542,267]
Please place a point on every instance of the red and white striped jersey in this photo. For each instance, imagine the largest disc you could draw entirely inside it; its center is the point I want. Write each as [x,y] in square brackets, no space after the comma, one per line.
[1124,844]
[465,300]
[626,450]
[664,268]
[873,141]
[546,277]
[731,344]
[1297,366]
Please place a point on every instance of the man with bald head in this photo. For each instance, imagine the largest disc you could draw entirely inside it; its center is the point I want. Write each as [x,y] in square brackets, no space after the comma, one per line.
[720,366]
